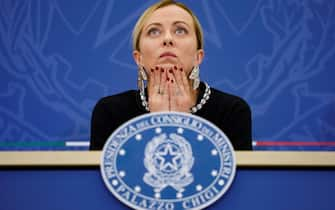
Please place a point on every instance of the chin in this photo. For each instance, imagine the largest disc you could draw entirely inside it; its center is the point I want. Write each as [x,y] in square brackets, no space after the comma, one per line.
[167,64]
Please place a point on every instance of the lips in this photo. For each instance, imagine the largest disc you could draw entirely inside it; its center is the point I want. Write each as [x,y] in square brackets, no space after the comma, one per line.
[167,54]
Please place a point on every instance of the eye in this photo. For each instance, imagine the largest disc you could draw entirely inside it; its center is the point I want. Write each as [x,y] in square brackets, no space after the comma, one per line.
[181,31]
[153,32]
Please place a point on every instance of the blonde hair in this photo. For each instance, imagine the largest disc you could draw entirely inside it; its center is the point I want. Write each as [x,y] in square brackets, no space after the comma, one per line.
[137,31]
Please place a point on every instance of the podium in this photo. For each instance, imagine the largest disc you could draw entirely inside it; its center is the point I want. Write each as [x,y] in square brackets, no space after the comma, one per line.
[72,180]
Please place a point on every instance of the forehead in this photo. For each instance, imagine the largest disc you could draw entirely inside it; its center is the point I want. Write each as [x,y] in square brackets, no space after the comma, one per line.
[170,13]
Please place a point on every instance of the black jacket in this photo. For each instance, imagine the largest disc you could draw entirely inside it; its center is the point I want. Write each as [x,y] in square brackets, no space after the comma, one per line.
[230,113]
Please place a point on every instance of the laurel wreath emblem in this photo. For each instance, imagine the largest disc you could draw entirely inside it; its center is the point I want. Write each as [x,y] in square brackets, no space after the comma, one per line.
[176,174]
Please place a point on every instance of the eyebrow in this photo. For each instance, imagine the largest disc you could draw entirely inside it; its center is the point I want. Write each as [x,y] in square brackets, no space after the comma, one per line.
[159,24]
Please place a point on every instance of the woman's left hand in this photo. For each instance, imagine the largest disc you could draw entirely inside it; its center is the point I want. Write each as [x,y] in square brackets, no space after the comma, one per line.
[182,97]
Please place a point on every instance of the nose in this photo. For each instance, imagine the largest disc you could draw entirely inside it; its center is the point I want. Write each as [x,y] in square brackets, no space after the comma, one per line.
[168,41]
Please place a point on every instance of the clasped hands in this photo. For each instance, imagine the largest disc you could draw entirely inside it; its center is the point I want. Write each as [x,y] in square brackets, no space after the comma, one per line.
[169,89]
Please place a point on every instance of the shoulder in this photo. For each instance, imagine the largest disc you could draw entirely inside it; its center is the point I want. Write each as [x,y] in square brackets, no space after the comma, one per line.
[117,101]
[222,106]
[123,97]
[227,100]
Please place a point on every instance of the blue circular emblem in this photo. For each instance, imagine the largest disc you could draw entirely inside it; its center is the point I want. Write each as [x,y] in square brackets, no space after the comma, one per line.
[168,160]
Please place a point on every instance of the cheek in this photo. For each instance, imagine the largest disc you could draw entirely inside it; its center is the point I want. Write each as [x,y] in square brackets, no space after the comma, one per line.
[146,46]
[149,46]
[148,50]
[188,54]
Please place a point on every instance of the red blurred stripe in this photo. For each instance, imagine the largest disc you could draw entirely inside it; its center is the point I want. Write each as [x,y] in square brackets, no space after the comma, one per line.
[293,143]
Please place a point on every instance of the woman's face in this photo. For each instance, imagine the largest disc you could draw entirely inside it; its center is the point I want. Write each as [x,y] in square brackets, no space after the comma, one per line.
[168,39]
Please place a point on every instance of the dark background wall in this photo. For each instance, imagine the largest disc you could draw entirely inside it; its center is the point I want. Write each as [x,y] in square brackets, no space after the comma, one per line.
[58,57]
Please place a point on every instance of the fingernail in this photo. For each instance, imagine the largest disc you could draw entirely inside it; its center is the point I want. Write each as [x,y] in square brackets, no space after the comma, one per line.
[162,70]
[181,69]
[152,70]
[156,67]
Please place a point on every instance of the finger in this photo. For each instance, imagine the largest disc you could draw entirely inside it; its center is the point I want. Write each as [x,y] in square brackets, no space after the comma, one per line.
[172,95]
[157,79]
[178,78]
[169,75]
[174,87]
[151,79]
[165,90]
[163,78]
[152,84]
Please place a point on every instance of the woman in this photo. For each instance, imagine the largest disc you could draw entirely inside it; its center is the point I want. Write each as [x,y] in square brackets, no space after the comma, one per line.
[168,49]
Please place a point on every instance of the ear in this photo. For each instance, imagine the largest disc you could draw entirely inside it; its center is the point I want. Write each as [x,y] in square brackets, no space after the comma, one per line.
[200,56]
[137,57]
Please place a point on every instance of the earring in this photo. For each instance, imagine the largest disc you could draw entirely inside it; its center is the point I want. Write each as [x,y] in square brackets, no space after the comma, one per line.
[194,75]
[142,76]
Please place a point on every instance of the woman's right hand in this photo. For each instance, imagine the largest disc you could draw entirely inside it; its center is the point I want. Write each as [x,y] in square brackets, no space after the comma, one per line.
[158,90]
